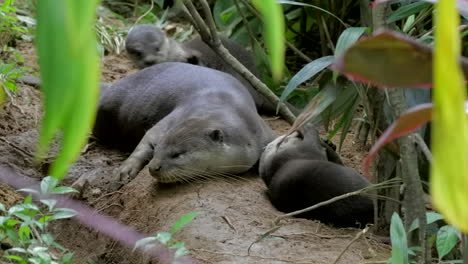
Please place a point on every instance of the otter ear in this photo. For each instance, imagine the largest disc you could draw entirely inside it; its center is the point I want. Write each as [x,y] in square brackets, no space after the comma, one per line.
[194,57]
[216,135]
[300,134]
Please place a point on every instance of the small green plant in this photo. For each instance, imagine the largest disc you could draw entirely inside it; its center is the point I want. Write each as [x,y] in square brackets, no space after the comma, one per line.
[166,238]
[8,73]
[23,228]
[10,26]
[445,239]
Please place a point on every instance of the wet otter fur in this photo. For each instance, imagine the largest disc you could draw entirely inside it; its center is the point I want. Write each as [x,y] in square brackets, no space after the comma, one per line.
[298,174]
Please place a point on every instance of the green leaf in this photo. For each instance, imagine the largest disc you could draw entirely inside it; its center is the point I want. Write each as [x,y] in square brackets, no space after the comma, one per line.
[22,207]
[449,169]
[24,232]
[3,219]
[50,203]
[307,72]
[144,241]
[11,85]
[399,241]
[2,207]
[64,189]
[431,218]
[28,190]
[183,220]
[28,199]
[164,237]
[273,22]
[48,183]
[47,238]
[63,213]
[407,10]
[447,238]
[14,257]
[72,109]
[67,258]
[348,37]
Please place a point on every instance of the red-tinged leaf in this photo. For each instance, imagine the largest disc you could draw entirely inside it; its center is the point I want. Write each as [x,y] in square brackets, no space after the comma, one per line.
[389,59]
[407,123]
[462,5]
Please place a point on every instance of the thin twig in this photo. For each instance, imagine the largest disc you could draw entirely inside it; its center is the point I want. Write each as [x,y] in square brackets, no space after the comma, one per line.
[327,34]
[215,43]
[334,199]
[26,153]
[423,146]
[146,13]
[358,235]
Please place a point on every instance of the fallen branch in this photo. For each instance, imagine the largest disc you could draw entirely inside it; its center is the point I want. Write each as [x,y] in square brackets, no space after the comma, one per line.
[211,38]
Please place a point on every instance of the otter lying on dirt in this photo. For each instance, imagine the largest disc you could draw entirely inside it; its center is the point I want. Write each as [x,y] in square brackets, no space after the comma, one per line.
[298,175]
[185,120]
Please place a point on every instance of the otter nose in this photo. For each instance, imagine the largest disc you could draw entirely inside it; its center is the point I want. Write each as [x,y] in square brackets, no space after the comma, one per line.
[154,167]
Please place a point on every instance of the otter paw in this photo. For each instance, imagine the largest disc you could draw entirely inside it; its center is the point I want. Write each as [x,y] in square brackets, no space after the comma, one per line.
[129,170]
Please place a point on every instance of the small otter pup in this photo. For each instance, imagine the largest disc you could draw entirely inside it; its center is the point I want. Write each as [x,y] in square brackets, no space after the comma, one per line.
[298,175]
[148,45]
[185,120]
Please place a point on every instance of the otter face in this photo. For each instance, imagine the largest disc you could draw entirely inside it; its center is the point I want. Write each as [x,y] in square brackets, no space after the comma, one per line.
[278,147]
[195,151]
[146,45]
[299,145]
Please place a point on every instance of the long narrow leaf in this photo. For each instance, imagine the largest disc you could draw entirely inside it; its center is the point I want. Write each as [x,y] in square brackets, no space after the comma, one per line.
[449,172]
[348,37]
[274,33]
[307,72]
[69,70]
[462,5]
[399,241]
[406,10]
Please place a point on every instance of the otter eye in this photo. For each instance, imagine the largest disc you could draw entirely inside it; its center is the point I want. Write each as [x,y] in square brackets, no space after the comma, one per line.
[136,53]
[175,155]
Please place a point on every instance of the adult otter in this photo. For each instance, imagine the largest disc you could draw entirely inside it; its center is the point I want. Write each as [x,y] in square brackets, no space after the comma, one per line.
[148,45]
[298,175]
[190,122]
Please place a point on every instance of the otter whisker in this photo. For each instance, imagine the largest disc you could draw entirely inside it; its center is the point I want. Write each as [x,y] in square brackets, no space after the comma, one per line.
[203,175]
[222,176]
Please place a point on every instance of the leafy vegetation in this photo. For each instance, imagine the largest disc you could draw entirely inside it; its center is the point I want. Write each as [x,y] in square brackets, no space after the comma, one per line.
[166,238]
[444,239]
[24,228]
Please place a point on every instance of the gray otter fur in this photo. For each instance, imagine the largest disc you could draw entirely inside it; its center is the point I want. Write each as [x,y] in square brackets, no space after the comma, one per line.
[186,121]
[298,175]
[148,45]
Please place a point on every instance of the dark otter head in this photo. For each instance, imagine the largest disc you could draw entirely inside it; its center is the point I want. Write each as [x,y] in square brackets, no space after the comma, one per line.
[148,45]
[145,45]
[199,149]
[301,144]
